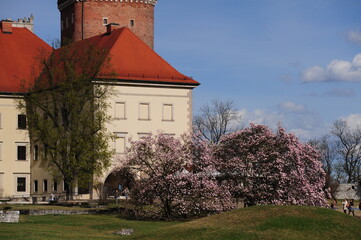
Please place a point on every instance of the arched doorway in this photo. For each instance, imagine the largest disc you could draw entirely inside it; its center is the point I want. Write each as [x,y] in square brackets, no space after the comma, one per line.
[118,180]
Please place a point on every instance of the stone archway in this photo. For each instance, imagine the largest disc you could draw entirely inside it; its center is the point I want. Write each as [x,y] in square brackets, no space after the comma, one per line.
[122,177]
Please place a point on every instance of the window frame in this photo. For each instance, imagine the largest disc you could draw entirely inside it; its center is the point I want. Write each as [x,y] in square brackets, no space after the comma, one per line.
[18,146]
[139,114]
[20,122]
[105,21]
[124,113]
[18,186]
[45,185]
[172,112]
[36,186]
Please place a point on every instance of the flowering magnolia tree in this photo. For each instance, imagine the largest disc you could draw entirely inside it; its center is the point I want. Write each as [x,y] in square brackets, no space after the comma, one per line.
[262,167]
[177,175]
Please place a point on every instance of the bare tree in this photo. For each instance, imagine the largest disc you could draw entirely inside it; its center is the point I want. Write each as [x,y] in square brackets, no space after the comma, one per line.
[348,145]
[327,149]
[216,119]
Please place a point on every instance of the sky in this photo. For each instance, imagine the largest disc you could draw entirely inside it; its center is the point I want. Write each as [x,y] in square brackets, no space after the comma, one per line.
[294,62]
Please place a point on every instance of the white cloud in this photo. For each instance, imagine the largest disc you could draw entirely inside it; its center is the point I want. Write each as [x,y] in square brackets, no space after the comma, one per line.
[337,70]
[352,120]
[290,107]
[354,36]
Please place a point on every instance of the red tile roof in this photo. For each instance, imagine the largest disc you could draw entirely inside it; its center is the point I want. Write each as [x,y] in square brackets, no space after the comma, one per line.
[132,60]
[19,59]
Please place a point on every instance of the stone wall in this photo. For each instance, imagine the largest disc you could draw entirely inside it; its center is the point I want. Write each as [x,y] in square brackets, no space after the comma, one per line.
[9,216]
[57,212]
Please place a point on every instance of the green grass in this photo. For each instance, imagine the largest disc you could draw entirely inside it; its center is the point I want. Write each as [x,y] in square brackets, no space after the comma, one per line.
[255,223]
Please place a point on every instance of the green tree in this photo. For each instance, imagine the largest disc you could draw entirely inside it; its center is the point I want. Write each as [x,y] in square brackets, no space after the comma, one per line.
[66,110]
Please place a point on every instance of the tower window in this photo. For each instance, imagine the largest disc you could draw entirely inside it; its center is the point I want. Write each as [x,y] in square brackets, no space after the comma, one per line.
[131,23]
[105,21]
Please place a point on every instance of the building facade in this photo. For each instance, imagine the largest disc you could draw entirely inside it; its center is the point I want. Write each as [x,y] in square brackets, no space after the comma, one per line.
[18,49]
[150,95]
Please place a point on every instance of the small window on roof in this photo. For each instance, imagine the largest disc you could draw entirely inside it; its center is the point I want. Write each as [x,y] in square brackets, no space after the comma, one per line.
[131,23]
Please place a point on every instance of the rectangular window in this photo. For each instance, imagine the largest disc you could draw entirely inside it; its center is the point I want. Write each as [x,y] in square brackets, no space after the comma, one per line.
[105,21]
[168,112]
[21,184]
[55,186]
[21,121]
[21,153]
[36,186]
[131,23]
[66,186]
[45,185]
[144,111]
[120,110]
[120,145]
[36,152]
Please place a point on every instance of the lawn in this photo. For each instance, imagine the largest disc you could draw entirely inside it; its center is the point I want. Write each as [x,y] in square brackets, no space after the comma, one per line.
[261,222]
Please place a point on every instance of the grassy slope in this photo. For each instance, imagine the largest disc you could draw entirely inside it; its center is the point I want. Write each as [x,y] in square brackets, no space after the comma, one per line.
[268,222]
[261,222]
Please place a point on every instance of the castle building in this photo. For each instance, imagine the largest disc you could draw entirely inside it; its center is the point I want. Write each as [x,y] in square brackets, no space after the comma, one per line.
[81,19]
[150,94]
[19,48]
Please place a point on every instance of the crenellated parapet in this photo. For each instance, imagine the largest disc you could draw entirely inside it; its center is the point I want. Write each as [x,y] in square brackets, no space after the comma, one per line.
[65,3]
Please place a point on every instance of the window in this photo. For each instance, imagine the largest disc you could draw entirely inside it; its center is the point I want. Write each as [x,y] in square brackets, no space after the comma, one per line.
[45,185]
[66,186]
[144,111]
[168,112]
[21,153]
[131,23]
[105,20]
[120,110]
[83,190]
[21,184]
[120,145]
[21,121]
[36,186]
[55,186]
[36,152]
[72,18]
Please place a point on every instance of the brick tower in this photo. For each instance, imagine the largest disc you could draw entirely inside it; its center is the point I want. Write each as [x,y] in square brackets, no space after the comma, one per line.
[81,19]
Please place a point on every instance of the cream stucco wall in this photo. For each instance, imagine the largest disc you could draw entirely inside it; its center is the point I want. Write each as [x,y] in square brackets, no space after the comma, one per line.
[10,138]
[160,99]
[129,120]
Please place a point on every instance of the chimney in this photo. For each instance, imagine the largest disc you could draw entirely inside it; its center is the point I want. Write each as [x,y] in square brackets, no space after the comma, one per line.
[7,26]
[111,27]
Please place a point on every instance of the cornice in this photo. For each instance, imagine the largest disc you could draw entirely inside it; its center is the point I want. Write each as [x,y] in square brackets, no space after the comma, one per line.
[66,3]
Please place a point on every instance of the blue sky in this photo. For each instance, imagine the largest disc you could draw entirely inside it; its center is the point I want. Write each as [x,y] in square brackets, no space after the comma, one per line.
[289,61]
